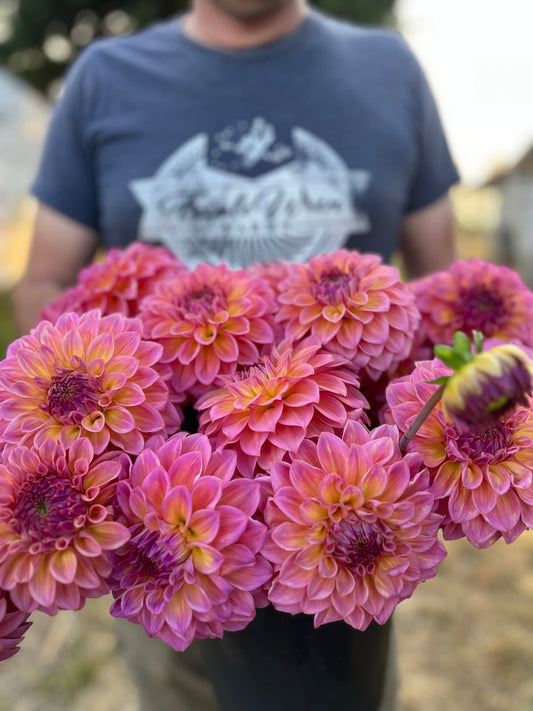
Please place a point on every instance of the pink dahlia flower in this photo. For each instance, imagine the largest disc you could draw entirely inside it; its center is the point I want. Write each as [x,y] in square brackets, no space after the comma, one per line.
[474,295]
[56,527]
[118,283]
[85,376]
[352,527]
[355,305]
[483,481]
[193,565]
[13,625]
[265,411]
[274,273]
[209,321]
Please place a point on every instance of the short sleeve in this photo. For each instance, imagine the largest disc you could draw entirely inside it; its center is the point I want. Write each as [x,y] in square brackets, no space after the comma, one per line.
[435,172]
[65,177]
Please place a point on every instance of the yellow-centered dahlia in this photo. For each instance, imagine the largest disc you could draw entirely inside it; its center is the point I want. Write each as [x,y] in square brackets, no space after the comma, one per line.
[355,305]
[84,376]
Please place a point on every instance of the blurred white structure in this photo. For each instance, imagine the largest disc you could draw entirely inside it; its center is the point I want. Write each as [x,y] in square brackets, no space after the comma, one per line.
[24,116]
[514,238]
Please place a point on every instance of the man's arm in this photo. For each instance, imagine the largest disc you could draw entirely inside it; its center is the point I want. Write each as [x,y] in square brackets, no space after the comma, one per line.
[428,240]
[60,248]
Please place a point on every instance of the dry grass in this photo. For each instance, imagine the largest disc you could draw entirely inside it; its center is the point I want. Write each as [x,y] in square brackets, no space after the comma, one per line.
[465,644]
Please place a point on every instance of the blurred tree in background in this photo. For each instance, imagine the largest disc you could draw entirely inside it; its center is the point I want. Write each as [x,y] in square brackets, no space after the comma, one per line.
[39,38]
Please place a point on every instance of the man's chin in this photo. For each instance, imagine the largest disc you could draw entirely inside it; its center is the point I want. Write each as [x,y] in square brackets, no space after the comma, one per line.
[250,10]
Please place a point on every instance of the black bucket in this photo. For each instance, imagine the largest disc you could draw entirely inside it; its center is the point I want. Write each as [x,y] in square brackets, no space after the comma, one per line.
[281,663]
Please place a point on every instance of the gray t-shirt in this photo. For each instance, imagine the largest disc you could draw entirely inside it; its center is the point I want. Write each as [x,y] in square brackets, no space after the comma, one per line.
[323,139]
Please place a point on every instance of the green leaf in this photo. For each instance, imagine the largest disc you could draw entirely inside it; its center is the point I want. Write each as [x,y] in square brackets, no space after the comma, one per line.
[462,346]
[439,381]
[449,356]
[478,341]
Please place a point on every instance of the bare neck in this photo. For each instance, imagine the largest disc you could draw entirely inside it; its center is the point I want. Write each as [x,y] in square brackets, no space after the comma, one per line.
[210,25]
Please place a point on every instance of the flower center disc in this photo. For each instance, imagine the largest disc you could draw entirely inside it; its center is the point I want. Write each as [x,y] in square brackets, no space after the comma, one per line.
[47,507]
[71,396]
[482,310]
[356,544]
[333,287]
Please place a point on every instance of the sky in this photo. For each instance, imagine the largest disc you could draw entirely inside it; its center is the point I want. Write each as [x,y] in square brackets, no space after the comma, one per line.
[478,57]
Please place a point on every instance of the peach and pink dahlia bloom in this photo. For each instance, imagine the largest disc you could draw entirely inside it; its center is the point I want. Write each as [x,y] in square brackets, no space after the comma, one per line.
[265,411]
[84,376]
[355,305]
[118,283]
[209,322]
[56,524]
[483,480]
[193,566]
[14,623]
[474,295]
[352,529]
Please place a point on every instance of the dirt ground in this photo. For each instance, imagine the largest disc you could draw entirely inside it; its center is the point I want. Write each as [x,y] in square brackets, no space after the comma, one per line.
[465,643]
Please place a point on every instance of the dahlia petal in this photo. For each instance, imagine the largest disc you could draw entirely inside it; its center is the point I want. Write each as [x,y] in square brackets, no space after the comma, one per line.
[344,605]
[292,576]
[309,558]
[119,420]
[345,583]
[251,441]
[113,382]
[306,479]
[265,419]
[242,494]
[42,586]
[206,366]
[448,475]
[478,532]
[349,333]
[357,463]
[156,485]
[102,347]
[374,482]
[196,598]
[461,505]
[287,438]
[132,601]
[146,418]
[86,546]
[232,524]
[289,536]
[484,497]
[188,351]
[471,477]
[72,346]
[332,453]
[506,512]
[289,502]
[327,567]
[178,613]
[63,565]
[176,507]
[499,478]
[110,535]
[225,347]
[203,526]
[207,560]
[128,442]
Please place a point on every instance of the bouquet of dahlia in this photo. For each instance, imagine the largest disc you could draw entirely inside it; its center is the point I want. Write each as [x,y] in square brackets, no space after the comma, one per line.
[205,443]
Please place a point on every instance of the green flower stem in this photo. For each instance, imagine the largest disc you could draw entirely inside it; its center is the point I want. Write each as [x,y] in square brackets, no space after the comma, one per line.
[420,418]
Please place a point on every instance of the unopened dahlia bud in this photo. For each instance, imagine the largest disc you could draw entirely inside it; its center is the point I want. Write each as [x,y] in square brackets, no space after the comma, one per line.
[486,385]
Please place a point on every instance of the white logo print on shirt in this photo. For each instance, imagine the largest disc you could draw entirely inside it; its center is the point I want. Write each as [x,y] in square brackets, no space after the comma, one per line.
[204,213]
